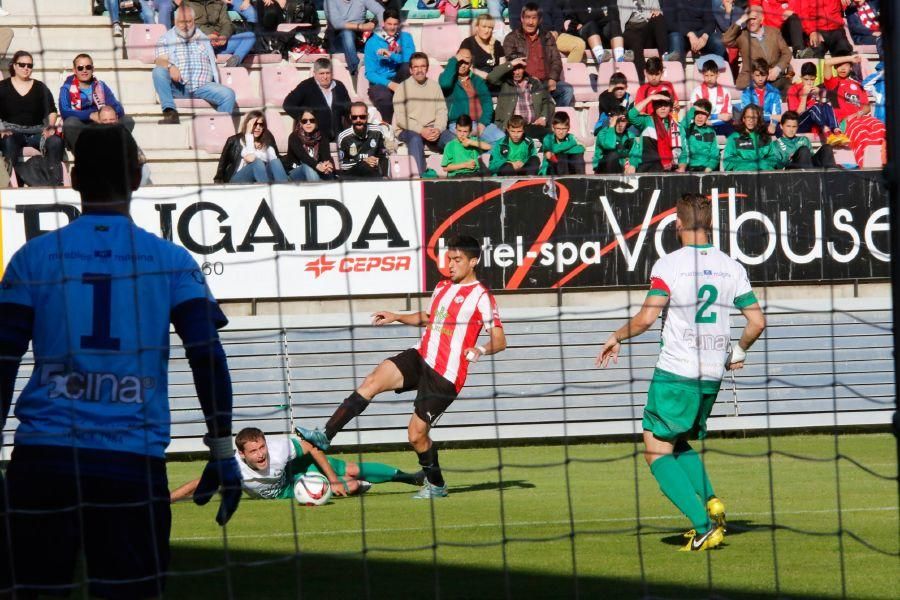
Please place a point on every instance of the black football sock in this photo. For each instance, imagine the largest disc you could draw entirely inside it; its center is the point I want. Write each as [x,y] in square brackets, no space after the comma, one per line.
[352,406]
[404,477]
[429,462]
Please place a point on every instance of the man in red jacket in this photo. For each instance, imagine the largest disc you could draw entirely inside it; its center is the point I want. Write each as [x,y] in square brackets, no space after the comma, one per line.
[781,15]
[823,23]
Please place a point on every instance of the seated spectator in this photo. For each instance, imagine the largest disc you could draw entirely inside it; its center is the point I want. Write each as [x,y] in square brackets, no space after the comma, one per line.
[250,155]
[563,155]
[792,151]
[753,41]
[718,97]
[308,155]
[692,22]
[161,9]
[658,144]
[327,98]
[27,105]
[521,95]
[597,23]
[515,154]
[82,96]
[699,146]
[541,55]
[749,148]
[186,68]
[780,15]
[107,116]
[654,84]
[852,110]
[552,19]
[487,52]
[810,101]
[613,143]
[615,96]
[211,17]
[467,94]
[420,112]
[643,26]
[387,63]
[462,154]
[823,23]
[763,94]
[112,7]
[361,149]
[862,21]
[346,21]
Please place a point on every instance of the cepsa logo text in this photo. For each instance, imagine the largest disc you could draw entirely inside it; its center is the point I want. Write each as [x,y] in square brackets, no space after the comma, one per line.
[359,264]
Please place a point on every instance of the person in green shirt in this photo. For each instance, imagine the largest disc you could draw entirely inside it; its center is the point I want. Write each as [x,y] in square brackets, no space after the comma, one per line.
[462,155]
[749,148]
[515,154]
[613,143]
[563,155]
[699,146]
[794,151]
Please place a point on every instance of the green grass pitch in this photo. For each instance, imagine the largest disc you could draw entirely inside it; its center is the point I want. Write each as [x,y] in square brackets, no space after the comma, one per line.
[566,536]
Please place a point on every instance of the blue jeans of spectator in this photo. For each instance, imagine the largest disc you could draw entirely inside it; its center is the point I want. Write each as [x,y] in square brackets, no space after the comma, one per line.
[260,172]
[415,146]
[248,14]
[218,95]
[238,45]
[344,41]
[678,43]
[163,7]
[495,8]
[304,173]
[564,94]
[112,7]
[491,134]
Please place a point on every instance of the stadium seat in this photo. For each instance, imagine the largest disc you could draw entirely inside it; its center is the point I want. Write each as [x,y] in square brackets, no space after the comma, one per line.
[339,69]
[191,103]
[268,58]
[280,126]
[589,161]
[860,48]
[576,75]
[238,79]
[433,161]
[402,167]
[630,72]
[872,158]
[592,116]
[211,131]
[277,81]
[440,41]
[673,72]
[434,70]
[576,126]
[140,42]
[362,84]
[844,157]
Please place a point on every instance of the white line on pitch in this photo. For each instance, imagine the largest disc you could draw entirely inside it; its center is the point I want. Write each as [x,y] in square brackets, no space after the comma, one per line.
[532,523]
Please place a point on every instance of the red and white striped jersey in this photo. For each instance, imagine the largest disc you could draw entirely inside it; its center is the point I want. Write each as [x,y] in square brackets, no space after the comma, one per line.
[457,314]
[717,96]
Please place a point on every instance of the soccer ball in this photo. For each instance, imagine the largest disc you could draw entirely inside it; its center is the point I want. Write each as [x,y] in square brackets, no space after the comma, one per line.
[312,489]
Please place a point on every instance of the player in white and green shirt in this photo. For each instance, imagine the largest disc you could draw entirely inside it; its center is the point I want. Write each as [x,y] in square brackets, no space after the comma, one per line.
[698,285]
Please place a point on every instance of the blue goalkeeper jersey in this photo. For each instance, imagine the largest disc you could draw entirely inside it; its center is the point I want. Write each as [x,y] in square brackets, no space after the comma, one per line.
[101,290]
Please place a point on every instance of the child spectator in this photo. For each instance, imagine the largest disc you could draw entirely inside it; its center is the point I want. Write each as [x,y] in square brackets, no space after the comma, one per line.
[795,152]
[763,94]
[563,155]
[852,112]
[720,118]
[749,148]
[862,21]
[653,84]
[462,155]
[616,96]
[613,144]
[515,154]
[659,143]
[699,147]
[809,101]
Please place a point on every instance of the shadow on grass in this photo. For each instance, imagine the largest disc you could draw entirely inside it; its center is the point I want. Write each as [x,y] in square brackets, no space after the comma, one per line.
[200,573]
[493,486]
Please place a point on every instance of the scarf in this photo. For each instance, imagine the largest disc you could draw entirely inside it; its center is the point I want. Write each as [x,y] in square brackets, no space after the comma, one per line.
[668,141]
[97,93]
[310,141]
[392,41]
[867,17]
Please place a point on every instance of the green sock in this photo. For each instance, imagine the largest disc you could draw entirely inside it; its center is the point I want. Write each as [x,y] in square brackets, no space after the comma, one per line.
[691,463]
[676,485]
[374,472]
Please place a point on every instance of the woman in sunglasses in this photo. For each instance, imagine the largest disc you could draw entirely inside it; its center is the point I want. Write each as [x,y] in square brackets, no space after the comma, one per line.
[308,154]
[29,117]
[251,155]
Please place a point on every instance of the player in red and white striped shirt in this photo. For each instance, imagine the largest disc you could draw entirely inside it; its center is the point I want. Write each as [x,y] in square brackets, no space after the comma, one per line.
[460,308]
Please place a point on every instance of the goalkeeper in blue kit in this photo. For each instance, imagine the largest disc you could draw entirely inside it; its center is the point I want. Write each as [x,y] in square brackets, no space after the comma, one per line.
[87,475]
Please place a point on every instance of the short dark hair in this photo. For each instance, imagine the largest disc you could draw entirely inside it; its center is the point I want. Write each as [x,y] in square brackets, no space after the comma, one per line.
[790,115]
[532,7]
[759,65]
[710,66]
[653,65]
[80,56]
[464,120]
[809,69]
[359,104]
[666,102]
[390,13]
[516,121]
[561,118]
[106,167]
[618,78]
[248,434]
[418,55]
[465,244]
[617,111]
[704,105]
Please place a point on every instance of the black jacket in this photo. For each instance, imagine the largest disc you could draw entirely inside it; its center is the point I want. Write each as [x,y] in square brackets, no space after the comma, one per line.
[308,96]
[297,154]
[231,159]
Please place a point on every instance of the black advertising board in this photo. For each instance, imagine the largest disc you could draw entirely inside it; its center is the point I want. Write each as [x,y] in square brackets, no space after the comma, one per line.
[785,227]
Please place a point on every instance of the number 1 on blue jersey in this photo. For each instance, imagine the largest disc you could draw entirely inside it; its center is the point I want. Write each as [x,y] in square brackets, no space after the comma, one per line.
[100,338]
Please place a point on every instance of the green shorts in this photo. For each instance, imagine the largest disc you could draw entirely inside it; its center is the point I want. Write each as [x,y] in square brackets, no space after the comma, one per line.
[678,406]
[304,464]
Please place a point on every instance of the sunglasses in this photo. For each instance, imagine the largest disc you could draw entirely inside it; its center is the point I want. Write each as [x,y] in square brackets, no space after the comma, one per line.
[700,112]
[359,117]
[259,124]
[305,121]
[25,65]
[464,62]
[81,68]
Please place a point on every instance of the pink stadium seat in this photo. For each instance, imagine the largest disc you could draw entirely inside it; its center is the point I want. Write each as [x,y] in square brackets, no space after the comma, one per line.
[631,75]
[277,81]
[211,131]
[844,156]
[280,126]
[269,58]
[576,75]
[440,41]
[673,72]
[861,48]
[589,161]
[140,42]
[221,59]
[434,70]
[872,158]
[238,79]
[402,167]
[191,103]
[433,161]
[339,69]
[362,84]
[576,126]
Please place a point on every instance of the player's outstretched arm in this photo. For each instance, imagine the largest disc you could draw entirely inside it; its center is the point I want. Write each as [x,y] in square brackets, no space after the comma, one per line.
[384,317]
[337,486]
[638,324]
[183,491]
[756,324]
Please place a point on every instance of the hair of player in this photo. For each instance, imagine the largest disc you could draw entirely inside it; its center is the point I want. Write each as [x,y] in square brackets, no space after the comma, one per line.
[809,69]
[464,120]
[418,56]
[248,434]
[12,63]
[694,211]
[465,244]
[653,66]
[760,66]
[106,169]
[79,57]
[790,115]
[390,13]
[710,66]
[618,78]
[561,118]
[515,121]
[704,105]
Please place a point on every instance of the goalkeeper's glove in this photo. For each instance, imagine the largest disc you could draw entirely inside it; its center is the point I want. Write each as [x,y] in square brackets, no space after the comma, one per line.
[221,473]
